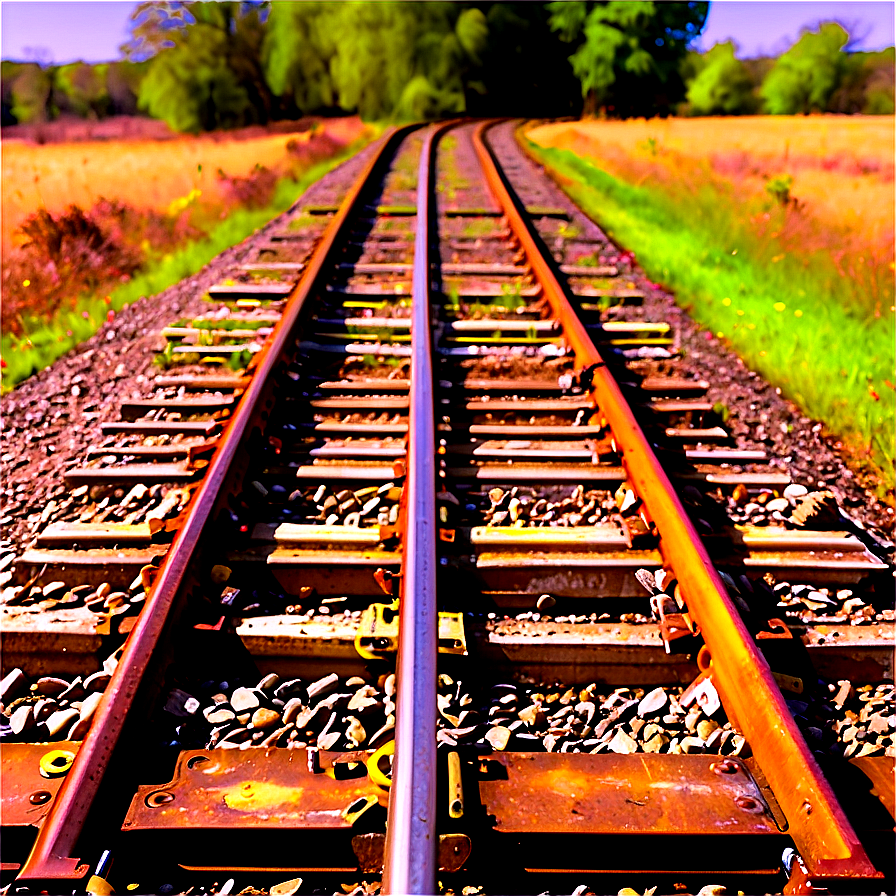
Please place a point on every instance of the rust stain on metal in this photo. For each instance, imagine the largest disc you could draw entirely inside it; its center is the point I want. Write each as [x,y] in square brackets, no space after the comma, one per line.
[582,793]
[25,794]
[268,788]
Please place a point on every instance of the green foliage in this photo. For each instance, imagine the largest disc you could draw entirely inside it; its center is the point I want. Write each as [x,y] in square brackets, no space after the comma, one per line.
[806,76]
[123,85]
[628,54]
[296,54]
[387,59]
[799,322]
[191,87]
[472,33]
[400,59]
[779,188]
[154,27]
[206,72]
[30,92]
[8,72]
[81,89]
[866,85]
[723,85]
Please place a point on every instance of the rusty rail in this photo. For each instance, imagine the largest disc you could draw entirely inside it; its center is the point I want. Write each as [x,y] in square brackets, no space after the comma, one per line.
[410,858]
[52,856]
[824,837]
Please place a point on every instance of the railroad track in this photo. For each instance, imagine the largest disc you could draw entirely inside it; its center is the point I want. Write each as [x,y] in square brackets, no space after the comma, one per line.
[523,621]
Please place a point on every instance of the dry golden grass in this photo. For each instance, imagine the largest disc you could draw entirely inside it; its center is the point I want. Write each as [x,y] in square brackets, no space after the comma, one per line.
[774,233]
[842,166]
[142,173]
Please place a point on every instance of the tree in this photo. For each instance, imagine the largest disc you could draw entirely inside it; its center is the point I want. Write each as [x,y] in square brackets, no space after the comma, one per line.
[31,93]
[723,86]
[298,48]
[805,77]
[81,89]
[383,59]
[628,54]
[191,87]
[397,58]
[866,85]
[204,67]
[123,84]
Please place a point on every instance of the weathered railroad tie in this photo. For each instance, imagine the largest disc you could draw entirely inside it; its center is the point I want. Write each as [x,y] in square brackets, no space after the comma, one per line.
[449,516]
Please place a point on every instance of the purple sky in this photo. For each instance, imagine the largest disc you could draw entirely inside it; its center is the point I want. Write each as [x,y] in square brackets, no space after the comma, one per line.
[769,28]
[66,30]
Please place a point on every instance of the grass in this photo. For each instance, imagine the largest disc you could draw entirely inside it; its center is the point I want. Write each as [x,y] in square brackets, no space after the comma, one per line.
[763,275]
[45,341]
[842,165]
[144,173]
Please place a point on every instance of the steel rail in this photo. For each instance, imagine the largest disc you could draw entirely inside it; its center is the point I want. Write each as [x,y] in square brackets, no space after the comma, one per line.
[411,840]
[817,823]
[52,856]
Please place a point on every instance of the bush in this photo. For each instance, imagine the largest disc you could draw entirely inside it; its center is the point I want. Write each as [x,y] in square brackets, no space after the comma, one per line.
[723,86]
[76,252]
[805,77]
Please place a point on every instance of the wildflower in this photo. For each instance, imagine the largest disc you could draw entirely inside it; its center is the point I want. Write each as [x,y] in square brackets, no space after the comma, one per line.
[85,314]
[779,306]
[26,283]
[740,312]
[797,313]
[726,301]
[719,335]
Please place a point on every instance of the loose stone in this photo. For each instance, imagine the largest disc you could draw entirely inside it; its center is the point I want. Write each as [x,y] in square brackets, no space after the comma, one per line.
[653,703]
[498,737]
[244,699]
[50,686]
[265,718]
[623,743]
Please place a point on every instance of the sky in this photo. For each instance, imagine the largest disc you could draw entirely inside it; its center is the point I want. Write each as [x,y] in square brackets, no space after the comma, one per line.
[67,30]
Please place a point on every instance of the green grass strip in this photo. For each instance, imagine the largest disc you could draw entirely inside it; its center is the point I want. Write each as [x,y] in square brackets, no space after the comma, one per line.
[796,323]
[45,341]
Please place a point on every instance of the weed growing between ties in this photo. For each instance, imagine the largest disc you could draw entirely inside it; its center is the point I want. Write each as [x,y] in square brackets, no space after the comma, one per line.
[800,305]
[79,268]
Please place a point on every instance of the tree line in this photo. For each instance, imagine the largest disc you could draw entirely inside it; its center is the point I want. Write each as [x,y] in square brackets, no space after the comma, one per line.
[206,65]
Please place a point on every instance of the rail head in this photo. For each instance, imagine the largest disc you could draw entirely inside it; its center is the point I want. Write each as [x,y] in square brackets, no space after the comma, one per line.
[52,857]
[818,825]
[411,839]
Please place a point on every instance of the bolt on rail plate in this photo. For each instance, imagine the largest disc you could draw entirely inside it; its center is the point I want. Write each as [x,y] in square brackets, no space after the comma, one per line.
[26,793]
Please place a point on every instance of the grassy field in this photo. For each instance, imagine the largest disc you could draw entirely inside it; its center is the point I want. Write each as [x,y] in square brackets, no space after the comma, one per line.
[42,321]
[775,233]
[142,173]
